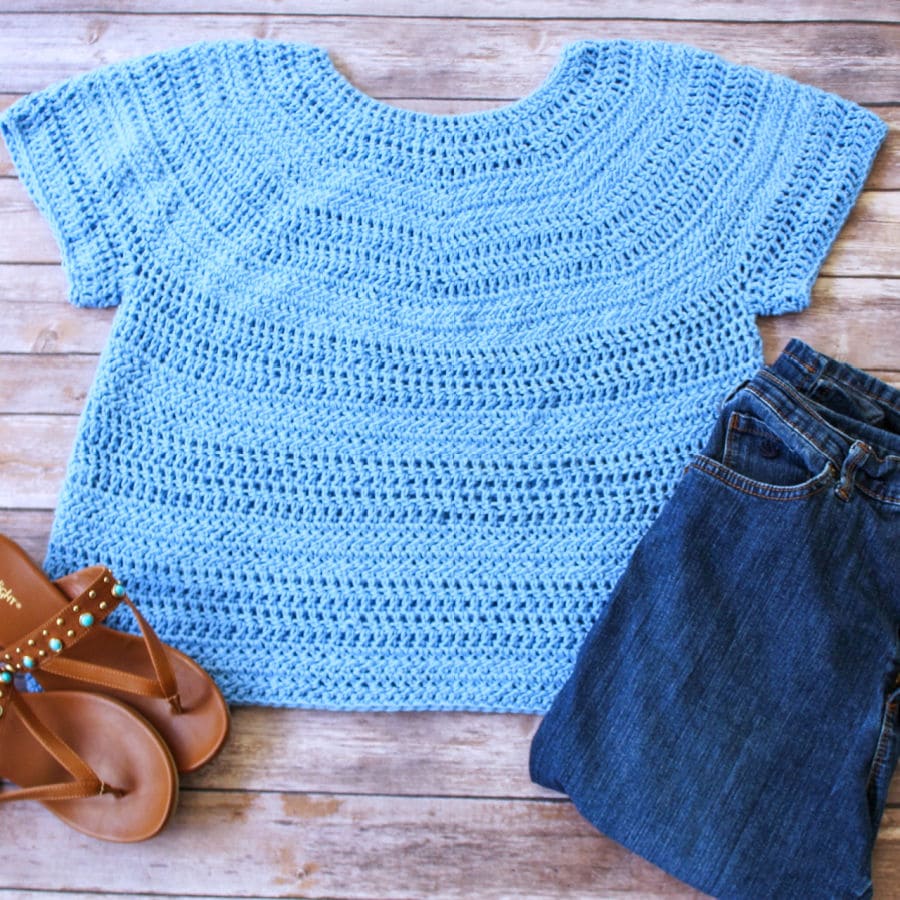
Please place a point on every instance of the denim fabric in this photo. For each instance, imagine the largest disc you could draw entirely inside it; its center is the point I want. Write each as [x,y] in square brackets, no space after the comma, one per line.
[732,713]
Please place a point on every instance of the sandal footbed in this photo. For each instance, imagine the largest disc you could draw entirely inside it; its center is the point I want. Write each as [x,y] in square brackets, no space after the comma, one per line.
[122,748]
[196,734]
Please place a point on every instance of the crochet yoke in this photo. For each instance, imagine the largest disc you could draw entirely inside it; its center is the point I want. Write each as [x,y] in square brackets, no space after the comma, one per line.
[390,396]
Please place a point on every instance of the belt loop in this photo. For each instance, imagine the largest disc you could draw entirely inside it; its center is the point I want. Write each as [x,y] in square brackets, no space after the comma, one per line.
[857,454]
[800,365]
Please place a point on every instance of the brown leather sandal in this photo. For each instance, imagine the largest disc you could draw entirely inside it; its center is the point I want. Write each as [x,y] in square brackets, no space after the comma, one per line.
[53,632]
[90,760]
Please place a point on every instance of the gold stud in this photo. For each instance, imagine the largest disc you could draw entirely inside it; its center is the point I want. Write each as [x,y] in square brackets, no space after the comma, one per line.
[18,666]
[41,653]
[6,656]
[75,608]
[60,621]
[45,632]
[102,604]
[106,579]
[70,633]
[92,594]
[18,649]
[1,710]
[30,642]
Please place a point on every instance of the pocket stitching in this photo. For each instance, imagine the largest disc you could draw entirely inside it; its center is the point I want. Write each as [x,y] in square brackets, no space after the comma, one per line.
[734,425]
[730,478]
[738,425]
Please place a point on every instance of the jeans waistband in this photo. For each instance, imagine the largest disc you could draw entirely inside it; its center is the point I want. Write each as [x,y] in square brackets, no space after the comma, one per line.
[850,416]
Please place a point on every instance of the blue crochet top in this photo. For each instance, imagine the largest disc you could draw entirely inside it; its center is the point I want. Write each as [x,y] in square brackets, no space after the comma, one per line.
[390,396]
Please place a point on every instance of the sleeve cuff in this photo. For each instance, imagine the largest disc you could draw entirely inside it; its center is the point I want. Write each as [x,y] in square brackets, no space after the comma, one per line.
[834,161]
[55,144]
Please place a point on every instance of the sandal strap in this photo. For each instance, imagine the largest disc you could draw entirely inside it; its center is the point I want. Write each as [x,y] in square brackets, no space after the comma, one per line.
[43,648]
[86,783]
[105,676]
[65,790]
[67,626]
[158,656]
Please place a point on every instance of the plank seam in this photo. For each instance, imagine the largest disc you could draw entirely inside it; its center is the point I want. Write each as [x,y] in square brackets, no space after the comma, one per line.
[380,17]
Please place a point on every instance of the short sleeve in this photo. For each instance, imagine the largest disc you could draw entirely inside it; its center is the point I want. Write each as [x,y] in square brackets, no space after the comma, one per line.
[79,154]
[821,149]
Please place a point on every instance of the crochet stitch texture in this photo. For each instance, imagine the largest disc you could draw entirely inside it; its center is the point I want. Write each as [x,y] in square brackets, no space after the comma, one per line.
[390,396]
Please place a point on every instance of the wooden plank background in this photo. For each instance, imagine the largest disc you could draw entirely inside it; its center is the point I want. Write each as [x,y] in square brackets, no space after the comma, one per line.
[306,803]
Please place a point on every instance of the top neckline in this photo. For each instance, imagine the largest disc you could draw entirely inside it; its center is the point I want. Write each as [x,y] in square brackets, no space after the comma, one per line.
[588,76]
[561,72]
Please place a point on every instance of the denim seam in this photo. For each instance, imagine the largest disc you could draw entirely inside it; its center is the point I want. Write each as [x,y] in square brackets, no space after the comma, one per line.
[726,448]
[734,425]
[879,459]
[838,373]
[801,362]
[772,492]
[774,406]
[802,401]
[886,736]
[878,495]
[840,382]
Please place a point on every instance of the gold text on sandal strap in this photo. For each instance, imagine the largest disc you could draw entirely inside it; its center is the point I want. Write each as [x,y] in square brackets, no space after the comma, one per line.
[8,596]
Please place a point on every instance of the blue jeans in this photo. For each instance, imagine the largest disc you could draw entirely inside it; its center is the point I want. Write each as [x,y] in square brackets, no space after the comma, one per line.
[732,714]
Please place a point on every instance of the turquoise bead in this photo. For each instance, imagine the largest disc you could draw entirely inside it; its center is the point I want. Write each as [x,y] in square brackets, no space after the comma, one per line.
[56,645]
[6,677]
[86,619]
[118,591]
[28,662]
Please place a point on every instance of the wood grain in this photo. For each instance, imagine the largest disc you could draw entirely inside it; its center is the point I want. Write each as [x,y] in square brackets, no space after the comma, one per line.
[710,10]
[300,845]
[33,454]
[415,754]
[19,894]
[34,383]
[322,845]
[28,527]
[465,57]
